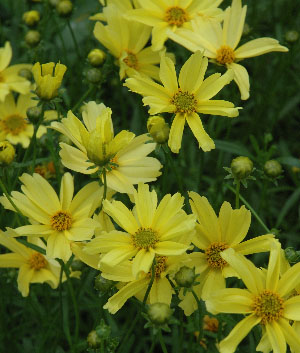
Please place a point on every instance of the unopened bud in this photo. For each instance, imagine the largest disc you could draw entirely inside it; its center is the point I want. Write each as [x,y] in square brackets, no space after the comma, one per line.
[32,38]
[292,255]
[185,277]
[159,313]
[272,168]
[292,36]
[93,75]
[64,8]
[93,339]
[241,167]
[53,2]
[158,129]
[102,284]
[31,18]
[7,153]
[96,57]
[34,113]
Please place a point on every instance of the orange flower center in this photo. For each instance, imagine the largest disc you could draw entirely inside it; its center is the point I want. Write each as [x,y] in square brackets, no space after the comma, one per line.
[61,220]
[213,256]
[160,265]
[144,238]
[176,16]
[225,55]
[113,163]
[269,306]
[131,60]
[184,102]
[37,261]
[13,124]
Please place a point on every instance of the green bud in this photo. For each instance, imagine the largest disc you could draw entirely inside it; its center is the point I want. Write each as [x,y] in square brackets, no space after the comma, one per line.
[158,129]
[185,277]
[159,313]
[34,113]
[272,168]
[31,18]
[102,284]
[32,38]
[26,74]
[53,2]
[96,57]
[93,339]
[77,265]
[292,255]
[93,75]
[241,167]
[64,8]
[292,36]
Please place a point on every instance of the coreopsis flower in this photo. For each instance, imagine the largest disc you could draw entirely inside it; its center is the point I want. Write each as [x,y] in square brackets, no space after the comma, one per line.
[34,267]
[7,153]
[265,301]
[172,14]
[48,79]
[126,41]
[123,156]
[191,97]
[14,125]
[9,75]
[213,235]
[60,220]
[149,230]
[219,43]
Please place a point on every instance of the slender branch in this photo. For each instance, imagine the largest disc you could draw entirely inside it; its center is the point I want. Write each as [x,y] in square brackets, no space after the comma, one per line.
[162,342]
[237,194]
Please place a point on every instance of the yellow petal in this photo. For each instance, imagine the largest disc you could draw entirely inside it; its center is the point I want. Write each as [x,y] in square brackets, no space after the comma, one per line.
[176,132]
[12,260]
[276,337]
[213,284]
[291,336]
[145,202]
[258,47]
[241,78]
[66,191]
[24,278]
[292,308]
[263,243]
[5,56]
[58,246]
[161,291]
[169,248]
[167,75]
[116,256]
[142,262]
[289,280]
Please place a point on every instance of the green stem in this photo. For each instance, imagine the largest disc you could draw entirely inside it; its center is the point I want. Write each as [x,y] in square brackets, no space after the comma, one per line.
[172,164]
[31,246]
[33,139]
[162,342]
[150,283]
[84,96]
[104,184]
[237,194]
[200,322]
[74,39]
[152,345]
[251,209]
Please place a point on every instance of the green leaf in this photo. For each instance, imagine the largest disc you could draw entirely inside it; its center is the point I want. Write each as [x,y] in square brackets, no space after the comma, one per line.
[233,148]
[287,206]
[291,161]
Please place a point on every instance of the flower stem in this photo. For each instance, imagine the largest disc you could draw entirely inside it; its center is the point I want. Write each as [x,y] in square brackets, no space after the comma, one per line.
[162,342]
[237,194]
[84,96]
[150,283]
[200,322]
[74,39]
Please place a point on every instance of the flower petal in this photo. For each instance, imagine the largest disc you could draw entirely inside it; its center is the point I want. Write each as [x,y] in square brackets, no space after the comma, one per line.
[142,262]
[258,47]
[241,78]
[167,75]
[169,248]
[176,132]
[292,308]
[276,337]
[145,202]
[291,336]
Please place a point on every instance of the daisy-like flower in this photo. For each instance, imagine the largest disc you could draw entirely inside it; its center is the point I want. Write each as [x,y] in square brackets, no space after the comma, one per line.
[9,75]
[219,43]
[149,230]
[191,97]
[265,301]
[213,235]
[126,41]
[172,14]
[59,220]
[34,267]
[14,125]
[124,156]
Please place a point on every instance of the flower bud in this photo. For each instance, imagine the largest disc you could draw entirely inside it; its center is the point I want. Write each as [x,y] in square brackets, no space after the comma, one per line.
[102,284]
[53,2]
[93,339]
[96,57]
[272,168]
[93,75]
[159,313]
[31,18]
[64,8]
[241,167]
[34,113]
[292,36]
[26,74]
[7,153]
[32,38]
[185,277]
[292,255]
[77,265]
[158,129]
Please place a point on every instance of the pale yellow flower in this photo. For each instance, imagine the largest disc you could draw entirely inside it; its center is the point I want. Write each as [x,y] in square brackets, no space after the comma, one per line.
[122,5]
[219,43]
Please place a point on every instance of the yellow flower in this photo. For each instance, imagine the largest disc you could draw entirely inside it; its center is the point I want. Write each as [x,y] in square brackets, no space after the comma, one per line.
[220,43]
[124,156]
[7,153]
[33,266]
[59,220]
[265,301]
[172,14]
[48,79]
[9,78]
[122,5]
[149,230]
[126,41]
[213,235]
[192,96]
[14,125]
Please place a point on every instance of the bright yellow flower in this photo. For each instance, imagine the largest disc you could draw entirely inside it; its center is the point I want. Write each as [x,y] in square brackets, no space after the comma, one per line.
[122,5]
[48,79]
[124,156]
[149,230]
[33,266]
[265,301]
[213,235]
[220,43]
[14,125]
[192,96]
[59,220]
[126,41]
[9,78]
[172,14]
[7,153]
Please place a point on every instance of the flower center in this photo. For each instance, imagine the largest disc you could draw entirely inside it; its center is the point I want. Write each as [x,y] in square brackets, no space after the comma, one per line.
[225,55]
[13,124]
[176,16]
[184,102]
[144,238]
[131,60]
[160,265]
[213,256]
[61,220]
[269,306]
[37,261]
[113,163]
